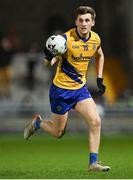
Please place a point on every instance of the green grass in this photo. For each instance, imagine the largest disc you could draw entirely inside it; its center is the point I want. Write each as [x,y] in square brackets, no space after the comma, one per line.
[46,158]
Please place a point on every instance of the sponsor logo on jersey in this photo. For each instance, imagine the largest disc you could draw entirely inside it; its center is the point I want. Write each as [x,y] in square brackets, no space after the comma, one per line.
[81,58]
[75,46]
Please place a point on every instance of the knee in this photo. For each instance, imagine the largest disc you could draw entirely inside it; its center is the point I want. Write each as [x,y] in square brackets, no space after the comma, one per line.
[59,133]
[96,123]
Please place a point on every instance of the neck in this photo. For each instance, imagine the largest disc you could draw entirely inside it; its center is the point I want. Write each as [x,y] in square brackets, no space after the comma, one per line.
[83,37]
[86,36]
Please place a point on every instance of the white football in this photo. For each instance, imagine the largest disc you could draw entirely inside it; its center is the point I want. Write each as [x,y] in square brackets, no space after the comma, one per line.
[56,44]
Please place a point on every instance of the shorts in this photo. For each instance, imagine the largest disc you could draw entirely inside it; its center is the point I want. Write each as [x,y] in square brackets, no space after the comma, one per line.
[62,100]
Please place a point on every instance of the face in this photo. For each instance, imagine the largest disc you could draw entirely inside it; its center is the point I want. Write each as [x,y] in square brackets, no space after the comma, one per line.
[84,24]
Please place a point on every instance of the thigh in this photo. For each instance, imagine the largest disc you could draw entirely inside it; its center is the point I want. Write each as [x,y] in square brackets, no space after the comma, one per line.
[59,121]
[88,110]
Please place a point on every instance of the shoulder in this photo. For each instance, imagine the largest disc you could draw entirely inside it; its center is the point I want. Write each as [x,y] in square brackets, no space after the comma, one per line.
[95,37]
[70,33]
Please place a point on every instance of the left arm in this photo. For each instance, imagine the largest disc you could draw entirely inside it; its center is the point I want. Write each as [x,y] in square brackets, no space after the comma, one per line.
[99,71]
[99,62]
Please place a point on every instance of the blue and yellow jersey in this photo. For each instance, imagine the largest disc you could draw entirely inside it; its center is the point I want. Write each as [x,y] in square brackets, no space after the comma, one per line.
[72,68]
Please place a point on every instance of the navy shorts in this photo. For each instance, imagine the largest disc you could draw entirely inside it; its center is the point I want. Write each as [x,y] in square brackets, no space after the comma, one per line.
[62,100]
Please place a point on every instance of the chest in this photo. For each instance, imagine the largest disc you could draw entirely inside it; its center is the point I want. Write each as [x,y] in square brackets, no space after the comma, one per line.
[80,48]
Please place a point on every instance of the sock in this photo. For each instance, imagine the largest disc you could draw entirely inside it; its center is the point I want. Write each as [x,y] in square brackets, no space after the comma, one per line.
[37,124]
[93,158]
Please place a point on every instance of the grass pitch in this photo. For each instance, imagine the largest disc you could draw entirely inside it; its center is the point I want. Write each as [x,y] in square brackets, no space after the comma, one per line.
[44,157]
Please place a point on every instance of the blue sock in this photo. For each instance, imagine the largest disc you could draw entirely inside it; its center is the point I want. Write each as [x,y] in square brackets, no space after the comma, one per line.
[93,158]
[37,124]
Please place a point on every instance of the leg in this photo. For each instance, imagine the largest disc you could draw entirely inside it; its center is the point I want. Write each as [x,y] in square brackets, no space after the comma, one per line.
[87,109]
[59,107]
[55,126]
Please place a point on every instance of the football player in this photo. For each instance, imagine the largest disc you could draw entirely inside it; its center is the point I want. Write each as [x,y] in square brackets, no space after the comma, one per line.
[69,85]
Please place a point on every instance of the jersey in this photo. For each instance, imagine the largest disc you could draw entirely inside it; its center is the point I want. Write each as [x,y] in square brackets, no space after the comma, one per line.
[72,68]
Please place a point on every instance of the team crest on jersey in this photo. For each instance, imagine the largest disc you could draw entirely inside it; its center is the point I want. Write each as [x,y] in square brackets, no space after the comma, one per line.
[85,47]
[94,47]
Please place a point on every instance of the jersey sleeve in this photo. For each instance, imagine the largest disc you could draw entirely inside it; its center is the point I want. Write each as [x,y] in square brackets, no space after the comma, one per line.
[64,35]
[99,41]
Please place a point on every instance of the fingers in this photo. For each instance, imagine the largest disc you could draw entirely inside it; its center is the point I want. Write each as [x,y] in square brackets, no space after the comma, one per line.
[53,61]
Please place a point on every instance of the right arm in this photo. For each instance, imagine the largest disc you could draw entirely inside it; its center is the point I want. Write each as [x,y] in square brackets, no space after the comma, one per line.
[50,63]
[49,58]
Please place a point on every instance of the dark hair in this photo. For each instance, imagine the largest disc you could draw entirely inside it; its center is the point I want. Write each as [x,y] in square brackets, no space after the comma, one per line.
[84,10]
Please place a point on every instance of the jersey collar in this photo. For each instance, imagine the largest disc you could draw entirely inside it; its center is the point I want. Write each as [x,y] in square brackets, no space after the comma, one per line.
[83,39]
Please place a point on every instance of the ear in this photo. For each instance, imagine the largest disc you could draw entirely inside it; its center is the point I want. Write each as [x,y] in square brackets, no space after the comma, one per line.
[93,23]
[76,22]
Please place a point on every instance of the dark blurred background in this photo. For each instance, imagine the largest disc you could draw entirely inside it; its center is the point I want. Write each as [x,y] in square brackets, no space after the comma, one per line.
[24,80]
